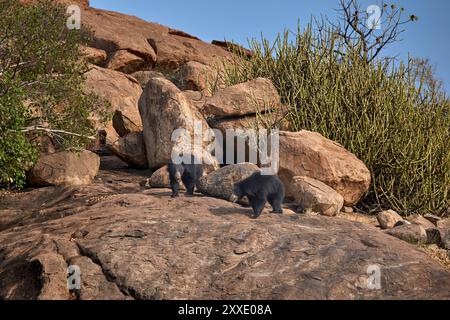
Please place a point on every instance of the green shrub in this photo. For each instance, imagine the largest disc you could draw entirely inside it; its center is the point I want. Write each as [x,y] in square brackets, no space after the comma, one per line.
[41,85]
[380,110]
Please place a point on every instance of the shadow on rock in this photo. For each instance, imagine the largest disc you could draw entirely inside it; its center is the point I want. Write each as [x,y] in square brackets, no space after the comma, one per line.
[226,211]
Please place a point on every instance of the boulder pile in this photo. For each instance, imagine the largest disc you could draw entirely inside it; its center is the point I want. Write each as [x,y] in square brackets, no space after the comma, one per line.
[158,80]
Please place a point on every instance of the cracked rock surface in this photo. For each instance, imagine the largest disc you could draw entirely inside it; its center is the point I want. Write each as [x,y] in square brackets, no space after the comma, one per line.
[130,243]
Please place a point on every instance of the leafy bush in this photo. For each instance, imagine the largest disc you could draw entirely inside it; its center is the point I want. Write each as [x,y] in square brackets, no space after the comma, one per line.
[41,85]
[382,111]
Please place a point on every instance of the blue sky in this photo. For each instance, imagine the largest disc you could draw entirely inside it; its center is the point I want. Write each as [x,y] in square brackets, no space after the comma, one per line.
[240,20]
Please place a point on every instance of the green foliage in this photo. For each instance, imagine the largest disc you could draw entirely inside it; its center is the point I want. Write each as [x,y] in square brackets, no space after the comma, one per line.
[383,112]
[16,153]
[41,85]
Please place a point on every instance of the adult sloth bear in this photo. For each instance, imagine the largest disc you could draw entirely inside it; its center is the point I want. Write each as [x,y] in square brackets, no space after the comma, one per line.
[259,189]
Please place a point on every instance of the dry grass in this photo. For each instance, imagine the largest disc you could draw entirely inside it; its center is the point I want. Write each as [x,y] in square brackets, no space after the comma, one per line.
[442,256]
[359,217]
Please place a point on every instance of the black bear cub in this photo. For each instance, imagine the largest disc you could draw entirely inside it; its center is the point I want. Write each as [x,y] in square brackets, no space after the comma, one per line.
[259,189]
[189,174]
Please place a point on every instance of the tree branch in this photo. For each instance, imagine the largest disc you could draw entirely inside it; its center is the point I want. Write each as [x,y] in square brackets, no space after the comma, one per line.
[48,130]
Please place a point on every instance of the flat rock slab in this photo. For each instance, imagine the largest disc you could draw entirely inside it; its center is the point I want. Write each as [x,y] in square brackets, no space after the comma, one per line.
[145,245]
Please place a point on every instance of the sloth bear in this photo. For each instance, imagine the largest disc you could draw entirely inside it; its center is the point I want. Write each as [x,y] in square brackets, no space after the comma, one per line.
[259,189]
[189,174]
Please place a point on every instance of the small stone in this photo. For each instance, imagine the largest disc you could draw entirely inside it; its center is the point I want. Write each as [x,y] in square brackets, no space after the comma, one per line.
[413,233]
[317,196]
[432,218]
[421,221]
[145,184]
[347,209]
[388,219]
[310,212]
[291,212]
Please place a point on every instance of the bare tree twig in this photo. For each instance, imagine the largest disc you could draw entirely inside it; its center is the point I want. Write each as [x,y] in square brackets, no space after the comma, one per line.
[56,131]
[353,30]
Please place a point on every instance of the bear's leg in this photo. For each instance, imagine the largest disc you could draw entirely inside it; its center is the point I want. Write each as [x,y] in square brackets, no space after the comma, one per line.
[189,183]
[258,204]
[275,201]
[175,188]
[190,187]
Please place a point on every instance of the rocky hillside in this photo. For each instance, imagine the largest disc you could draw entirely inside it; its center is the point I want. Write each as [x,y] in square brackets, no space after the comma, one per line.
[127,51]
[116,221]
[134,243]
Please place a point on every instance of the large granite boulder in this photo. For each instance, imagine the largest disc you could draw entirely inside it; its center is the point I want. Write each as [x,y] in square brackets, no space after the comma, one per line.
[314,195]
[131,149]
[309,154]
[65,168]
[219,183]
[121,91]
[125,61]
[194,76]
[164,109]
[257,95]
